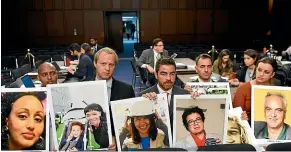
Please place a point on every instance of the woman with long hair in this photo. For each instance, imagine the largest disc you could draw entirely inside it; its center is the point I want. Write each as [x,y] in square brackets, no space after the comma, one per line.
[248,70]
[223,65]
[265,71]
[98,124]
[144,133]
[22,121]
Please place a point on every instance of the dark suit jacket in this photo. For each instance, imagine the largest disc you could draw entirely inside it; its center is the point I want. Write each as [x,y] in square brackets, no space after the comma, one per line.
[121,90]
[242,74]
[147,57]
[97,49]
[176,91]
[85,69]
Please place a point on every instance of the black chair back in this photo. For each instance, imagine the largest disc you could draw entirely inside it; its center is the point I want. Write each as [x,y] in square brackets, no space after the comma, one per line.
[228,147]
[279,147]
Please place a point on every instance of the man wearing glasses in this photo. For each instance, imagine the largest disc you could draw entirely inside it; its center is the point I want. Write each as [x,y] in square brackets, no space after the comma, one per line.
[275,113]
[149,57]
[193,120]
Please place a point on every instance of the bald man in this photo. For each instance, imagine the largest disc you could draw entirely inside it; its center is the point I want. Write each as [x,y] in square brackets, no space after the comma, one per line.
[47,74]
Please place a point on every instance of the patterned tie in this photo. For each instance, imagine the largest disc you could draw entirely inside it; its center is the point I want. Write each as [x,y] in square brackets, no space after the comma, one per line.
[168,98]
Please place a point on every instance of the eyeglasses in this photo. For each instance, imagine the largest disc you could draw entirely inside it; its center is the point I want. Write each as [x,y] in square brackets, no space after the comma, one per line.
[192,122]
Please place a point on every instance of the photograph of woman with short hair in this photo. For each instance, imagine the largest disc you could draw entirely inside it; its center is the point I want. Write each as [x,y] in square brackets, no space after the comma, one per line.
[23,120]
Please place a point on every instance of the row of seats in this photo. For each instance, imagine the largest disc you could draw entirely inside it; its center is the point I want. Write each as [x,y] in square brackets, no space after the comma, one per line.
[9,62]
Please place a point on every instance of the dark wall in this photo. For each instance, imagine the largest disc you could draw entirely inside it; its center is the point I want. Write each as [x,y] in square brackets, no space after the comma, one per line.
[42,22]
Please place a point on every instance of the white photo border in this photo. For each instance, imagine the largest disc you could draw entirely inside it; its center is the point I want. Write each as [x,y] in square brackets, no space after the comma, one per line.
[264,142]
[201,97]
[40,89]
[88,83]
[138,99]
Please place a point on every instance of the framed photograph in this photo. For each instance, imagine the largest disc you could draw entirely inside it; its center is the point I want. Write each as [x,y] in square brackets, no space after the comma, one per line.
[140,123]
[239,131]
[210,88]
[80,116]
[271,114]
[24,119]
[200,122]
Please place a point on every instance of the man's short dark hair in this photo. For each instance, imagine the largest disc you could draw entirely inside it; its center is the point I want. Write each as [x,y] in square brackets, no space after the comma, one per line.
[165,61]
[202,56]
[189,111]
[156,41]
[92,37]
[75,47]
[86,47]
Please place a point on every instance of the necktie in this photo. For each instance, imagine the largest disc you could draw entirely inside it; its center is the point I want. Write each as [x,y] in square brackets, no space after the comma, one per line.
[168,98]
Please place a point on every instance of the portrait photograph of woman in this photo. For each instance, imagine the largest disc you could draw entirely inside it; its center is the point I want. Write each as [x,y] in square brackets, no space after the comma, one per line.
[23,119]
[80,119]
[141,123]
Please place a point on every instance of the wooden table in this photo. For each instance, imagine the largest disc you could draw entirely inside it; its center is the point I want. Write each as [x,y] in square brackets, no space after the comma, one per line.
[186,78]
[189,63]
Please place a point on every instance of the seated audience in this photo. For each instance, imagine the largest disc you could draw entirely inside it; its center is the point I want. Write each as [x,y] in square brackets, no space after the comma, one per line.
[47,74]
[265,71]
[85,69]
[247,72]
[223,65]
[149,58]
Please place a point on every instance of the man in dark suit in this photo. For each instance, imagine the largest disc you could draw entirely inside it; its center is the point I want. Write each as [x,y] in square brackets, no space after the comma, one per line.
[94,45]
[105,61]
[149,57]
[166,77]
[85,68]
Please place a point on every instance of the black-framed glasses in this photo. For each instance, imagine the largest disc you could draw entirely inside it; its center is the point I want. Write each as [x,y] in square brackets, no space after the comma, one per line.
[192,122]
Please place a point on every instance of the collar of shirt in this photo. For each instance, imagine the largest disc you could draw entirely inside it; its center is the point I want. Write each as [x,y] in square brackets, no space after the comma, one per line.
[155,54]
[282,135]
[108,82]
[162,91]
[199,80]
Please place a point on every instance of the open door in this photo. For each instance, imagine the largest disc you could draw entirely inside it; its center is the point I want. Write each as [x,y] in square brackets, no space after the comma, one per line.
[113,25]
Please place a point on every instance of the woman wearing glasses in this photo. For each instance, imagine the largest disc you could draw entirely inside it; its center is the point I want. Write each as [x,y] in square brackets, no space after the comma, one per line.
[193,120]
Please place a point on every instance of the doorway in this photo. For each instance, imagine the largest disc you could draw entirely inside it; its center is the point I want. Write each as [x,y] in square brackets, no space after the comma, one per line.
[131,35]
[113,30]
[122,31]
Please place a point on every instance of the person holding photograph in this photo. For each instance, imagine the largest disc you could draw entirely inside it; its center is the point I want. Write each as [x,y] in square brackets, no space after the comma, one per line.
[265,71]
[22,122]
[145,134]
[98,124]
[274,127]
[105,61]
[74,142]
[236,132]
[166,77]
[193,120]
[223,65]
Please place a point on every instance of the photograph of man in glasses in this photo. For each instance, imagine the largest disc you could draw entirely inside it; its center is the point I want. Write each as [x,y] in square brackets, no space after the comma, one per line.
[193,121]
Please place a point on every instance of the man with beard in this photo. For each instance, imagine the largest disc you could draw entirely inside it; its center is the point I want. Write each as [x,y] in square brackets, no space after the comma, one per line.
[166,77]
[47,74]
[94,45]
[275,113]
[193,121]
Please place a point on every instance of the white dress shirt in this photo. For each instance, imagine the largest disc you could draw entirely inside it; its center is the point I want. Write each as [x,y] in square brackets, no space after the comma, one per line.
[169,93]
[109,85]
